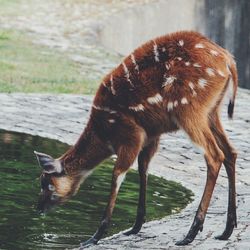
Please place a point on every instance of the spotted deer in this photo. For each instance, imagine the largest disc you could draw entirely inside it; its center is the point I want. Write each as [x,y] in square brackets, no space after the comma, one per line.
[173,82]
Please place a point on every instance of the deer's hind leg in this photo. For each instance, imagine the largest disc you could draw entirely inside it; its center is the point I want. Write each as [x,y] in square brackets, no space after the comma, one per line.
[229,163]
[143,160]
[199,132]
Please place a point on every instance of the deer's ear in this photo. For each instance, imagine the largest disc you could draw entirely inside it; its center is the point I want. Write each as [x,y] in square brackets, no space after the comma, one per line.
[48,164]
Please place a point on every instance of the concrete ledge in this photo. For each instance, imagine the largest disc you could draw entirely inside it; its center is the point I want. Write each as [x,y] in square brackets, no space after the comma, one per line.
[63,117]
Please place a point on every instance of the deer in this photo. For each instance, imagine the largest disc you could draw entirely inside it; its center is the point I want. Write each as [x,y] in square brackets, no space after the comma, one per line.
[174,82]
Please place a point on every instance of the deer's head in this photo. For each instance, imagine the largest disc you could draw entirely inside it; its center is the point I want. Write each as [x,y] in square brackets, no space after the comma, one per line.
[56,185]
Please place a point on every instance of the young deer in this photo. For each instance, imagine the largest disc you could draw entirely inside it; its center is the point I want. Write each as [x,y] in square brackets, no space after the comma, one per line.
[174,82]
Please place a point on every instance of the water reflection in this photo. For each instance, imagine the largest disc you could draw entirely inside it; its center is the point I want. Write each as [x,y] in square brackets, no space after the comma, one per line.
[22,228]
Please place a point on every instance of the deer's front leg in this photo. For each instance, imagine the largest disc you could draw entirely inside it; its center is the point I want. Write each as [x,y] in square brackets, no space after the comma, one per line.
[143,160]
[125,158]
[117,178]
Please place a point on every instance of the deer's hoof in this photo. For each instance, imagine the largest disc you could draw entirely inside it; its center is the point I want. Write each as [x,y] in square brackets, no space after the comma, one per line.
[184,242]
[90,241]
[195,228]
[221,237]
[225,235]
[228,230]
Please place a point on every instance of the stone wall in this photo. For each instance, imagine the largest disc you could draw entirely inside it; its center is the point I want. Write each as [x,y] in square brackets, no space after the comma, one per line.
[227,22]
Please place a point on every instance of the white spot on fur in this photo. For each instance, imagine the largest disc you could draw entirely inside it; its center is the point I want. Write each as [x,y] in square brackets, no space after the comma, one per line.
[106,109]
[170,106]
[134,62]
[202,82]
[187,63]
[125,68]
[168,80]
[163,49]
[221,73]
[155,99]
[175,103]
[127,75]
[104,84]
[119,181]
[199,46]
[112,85]
[137,108]
[111,121]
[156,52]
[167,66]
[184,100]
[214,52]
[197,65]
[181,42]
[210,71]
[179,58]
[191,86]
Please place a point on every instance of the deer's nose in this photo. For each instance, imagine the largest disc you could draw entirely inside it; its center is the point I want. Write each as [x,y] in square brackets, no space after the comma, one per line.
[43,204]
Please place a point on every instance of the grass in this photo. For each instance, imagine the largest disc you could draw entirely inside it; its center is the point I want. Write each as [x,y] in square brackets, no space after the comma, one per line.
[26,67]
[9,7]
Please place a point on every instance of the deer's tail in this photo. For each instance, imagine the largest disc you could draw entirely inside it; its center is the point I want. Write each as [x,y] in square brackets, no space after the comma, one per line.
[232,88]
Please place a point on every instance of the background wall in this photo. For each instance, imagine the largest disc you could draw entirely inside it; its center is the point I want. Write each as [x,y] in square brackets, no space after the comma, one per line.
[227,22]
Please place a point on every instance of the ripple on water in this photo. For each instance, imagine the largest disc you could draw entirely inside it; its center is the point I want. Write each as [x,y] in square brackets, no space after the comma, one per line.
[54,241]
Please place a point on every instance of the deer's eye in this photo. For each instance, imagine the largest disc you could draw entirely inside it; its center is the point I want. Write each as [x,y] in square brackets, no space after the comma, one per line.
[51,187]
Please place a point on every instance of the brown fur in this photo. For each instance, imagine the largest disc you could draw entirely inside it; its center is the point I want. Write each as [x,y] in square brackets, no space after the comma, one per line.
[124,122]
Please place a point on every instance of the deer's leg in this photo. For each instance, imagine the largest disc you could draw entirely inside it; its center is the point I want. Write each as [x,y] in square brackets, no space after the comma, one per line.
[229,163]
[143,160]
[202,135]
[126,155]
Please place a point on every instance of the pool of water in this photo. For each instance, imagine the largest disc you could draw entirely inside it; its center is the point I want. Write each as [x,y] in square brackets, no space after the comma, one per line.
[21,227]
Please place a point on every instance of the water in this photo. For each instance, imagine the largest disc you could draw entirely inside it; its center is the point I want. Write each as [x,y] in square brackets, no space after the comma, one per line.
[66,226]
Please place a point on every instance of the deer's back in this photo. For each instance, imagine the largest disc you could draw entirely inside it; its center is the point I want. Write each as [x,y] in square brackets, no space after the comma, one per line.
[172,74]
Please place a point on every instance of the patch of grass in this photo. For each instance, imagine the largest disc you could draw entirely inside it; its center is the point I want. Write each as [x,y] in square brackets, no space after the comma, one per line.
[26,67]
[9,7]
[4,36]
[7,2]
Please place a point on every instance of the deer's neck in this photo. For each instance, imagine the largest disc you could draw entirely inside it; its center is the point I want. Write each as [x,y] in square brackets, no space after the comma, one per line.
[88,151]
